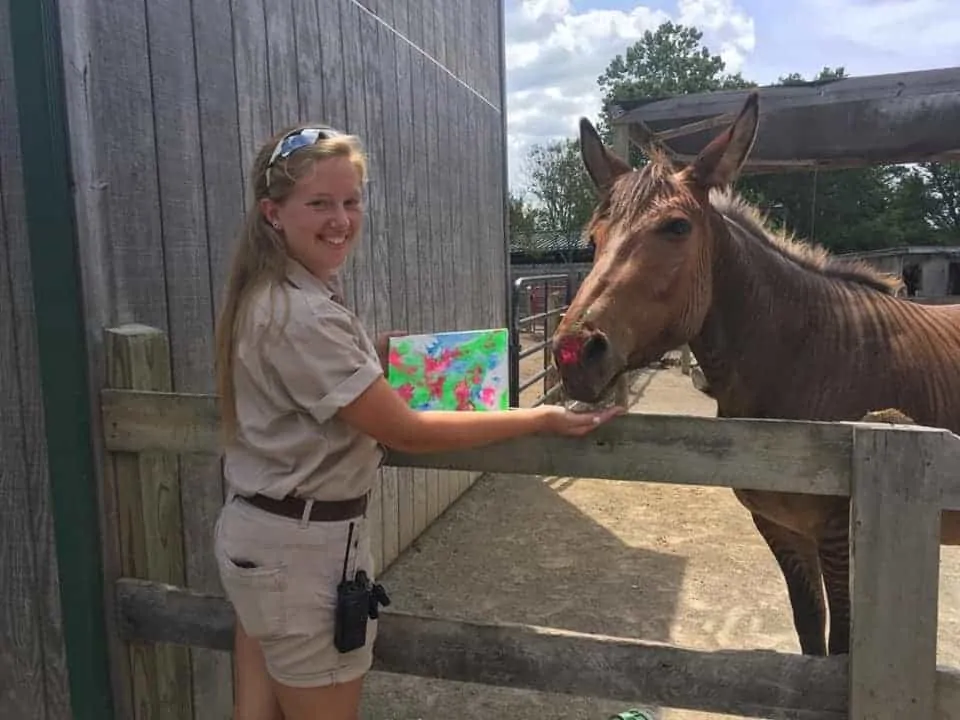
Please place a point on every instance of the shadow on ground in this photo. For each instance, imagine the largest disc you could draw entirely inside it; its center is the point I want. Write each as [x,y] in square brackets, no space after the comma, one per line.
[514,550]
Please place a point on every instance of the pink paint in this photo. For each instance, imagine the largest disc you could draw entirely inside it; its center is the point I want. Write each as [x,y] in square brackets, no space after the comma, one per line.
[568,353]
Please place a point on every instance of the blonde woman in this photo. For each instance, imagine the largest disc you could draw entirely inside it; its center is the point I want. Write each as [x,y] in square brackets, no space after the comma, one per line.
[307,411]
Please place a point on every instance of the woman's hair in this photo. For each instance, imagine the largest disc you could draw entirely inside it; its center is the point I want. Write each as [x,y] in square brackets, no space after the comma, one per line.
[260,256]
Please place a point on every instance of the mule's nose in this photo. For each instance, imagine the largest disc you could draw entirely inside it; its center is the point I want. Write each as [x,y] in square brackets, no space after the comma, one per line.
[585,350]
[594,349]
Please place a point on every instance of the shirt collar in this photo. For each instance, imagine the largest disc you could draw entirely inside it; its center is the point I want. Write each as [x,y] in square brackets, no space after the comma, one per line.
[302,278]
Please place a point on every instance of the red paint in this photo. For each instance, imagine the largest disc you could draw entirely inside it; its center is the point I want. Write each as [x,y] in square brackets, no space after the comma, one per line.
[568,352]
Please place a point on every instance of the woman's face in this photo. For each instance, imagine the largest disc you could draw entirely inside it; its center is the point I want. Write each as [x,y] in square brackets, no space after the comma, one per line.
[322,217]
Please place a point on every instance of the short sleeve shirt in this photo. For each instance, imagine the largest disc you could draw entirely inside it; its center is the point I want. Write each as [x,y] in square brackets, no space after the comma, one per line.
[301,356]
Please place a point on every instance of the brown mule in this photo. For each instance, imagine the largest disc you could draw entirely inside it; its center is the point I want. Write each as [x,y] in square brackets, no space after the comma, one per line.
[780,329]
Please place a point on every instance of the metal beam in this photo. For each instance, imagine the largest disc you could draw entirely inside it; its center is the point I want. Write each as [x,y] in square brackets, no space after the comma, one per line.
[852,122]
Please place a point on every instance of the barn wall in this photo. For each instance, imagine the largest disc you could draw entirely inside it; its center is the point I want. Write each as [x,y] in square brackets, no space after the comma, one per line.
[33,675]
[167,103]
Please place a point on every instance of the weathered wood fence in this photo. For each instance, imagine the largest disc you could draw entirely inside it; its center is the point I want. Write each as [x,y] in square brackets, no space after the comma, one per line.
[898,479]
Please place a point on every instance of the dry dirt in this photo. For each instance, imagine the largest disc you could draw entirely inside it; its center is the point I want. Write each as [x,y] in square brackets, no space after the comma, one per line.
[658,562]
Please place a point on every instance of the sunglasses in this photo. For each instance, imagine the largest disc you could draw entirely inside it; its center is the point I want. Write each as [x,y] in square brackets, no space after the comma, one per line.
[293,141]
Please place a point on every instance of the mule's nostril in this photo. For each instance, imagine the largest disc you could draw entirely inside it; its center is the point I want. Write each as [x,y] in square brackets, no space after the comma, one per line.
[594,348]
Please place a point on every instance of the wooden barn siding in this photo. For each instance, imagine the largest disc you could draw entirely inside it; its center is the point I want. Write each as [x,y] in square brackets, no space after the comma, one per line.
[167,103]
[33,674]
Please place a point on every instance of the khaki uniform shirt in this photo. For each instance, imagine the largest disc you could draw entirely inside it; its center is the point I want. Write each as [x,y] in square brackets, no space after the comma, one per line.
[300,357]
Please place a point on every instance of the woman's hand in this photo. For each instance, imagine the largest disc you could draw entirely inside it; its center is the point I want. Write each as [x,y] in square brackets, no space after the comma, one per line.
[562,421]
[383,346]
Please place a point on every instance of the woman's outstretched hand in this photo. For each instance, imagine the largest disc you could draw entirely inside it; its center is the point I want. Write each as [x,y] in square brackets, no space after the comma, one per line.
[561,421]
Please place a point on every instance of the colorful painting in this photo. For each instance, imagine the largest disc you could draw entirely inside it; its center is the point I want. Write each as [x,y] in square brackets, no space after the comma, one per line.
[466,370]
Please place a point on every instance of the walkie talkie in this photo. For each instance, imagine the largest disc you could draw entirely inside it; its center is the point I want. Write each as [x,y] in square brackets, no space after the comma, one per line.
[353,607]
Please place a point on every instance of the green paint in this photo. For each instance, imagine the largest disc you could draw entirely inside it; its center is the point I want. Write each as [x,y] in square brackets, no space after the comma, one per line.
[38,76]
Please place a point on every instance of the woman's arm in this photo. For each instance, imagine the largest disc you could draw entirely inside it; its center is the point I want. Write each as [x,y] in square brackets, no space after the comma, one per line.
[381,413]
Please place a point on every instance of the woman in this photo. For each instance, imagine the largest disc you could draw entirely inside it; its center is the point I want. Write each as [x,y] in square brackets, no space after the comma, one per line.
[306,410]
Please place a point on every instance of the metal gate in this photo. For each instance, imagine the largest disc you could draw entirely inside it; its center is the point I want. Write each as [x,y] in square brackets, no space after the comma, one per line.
[532,295]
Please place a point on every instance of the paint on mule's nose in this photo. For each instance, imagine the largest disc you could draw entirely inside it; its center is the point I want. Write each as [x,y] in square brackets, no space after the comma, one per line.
[567,351]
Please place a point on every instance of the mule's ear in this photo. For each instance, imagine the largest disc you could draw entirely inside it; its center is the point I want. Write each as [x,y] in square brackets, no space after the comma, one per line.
[603,165]
[719,163]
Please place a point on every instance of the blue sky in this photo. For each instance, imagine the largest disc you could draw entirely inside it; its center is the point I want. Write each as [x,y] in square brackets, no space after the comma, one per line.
[557,48]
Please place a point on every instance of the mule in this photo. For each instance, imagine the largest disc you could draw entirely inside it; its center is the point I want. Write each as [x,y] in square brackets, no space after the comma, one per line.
[781,329]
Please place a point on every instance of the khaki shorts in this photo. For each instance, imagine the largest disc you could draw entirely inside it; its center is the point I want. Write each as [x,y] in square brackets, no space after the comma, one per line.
[287,602]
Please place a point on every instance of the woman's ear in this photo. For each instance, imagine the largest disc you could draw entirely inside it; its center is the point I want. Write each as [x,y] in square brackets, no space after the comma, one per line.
[270,211]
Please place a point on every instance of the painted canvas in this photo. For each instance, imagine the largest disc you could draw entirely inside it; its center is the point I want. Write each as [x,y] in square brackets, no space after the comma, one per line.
[464,370]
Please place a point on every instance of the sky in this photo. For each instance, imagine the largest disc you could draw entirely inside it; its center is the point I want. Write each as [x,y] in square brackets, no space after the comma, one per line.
[556,49]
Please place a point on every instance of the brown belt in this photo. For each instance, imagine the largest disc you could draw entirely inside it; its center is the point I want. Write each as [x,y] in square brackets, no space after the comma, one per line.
[322,510]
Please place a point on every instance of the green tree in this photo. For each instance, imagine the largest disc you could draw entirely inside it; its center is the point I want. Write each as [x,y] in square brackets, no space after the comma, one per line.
[670,60]
[523,222]
[563,190]
[941,206]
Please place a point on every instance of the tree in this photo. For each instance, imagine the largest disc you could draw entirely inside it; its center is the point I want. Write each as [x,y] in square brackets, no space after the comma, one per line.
[667,61]
[559,182]
[941,206]
[523,222]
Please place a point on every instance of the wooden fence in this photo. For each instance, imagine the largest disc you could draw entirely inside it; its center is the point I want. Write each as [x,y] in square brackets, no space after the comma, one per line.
[898,479]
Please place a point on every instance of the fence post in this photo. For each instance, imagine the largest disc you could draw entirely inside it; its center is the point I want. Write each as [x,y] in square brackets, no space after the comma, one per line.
[551,321]
[894,565]
[149,522]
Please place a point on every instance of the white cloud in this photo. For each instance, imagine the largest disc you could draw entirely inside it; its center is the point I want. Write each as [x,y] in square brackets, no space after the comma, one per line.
[555,54]
[934,25]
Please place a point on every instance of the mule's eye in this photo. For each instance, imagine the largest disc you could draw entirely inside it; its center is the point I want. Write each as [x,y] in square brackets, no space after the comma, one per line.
[676,226]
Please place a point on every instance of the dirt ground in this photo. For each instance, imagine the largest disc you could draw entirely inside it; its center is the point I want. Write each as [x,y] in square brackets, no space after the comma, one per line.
[658,562]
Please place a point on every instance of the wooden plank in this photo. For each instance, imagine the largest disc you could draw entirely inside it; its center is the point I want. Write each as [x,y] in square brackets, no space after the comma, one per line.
[359,270]
[376,290]
[392,237]
[253,83]
[892,118]
[123,115]
[219,136]
[150,522]
[92,193]
[282,64]
[385,11]
[334,90]
[186,269]
[746,683]
[413,209]
[784,455]
[309,60]
[447,241]
[427,498]
[332,71]
[895,562]
[33,672]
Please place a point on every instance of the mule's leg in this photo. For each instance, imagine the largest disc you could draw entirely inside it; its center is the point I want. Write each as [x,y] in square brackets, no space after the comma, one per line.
[834,549]
[798,560]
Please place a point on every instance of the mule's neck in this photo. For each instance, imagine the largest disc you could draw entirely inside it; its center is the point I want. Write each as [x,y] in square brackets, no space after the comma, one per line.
[767,316]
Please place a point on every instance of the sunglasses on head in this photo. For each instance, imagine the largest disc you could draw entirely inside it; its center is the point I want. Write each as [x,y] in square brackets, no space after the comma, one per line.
[293,141]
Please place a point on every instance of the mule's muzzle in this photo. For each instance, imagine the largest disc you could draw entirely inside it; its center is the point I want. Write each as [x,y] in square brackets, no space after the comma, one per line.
[586,364]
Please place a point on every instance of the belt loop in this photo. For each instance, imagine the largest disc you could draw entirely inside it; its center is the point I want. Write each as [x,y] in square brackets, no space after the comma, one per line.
[305,518]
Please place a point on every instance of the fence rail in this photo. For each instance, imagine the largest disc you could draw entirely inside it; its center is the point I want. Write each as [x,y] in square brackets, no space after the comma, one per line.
[898,478]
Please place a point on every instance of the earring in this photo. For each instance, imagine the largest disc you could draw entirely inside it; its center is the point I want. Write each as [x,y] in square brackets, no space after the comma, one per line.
[276,226]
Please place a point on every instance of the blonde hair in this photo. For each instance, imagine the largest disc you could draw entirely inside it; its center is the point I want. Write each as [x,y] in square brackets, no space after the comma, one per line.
[260,256]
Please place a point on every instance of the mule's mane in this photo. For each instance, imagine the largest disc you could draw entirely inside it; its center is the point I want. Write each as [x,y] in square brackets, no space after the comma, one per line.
[807,255]
[658,180]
